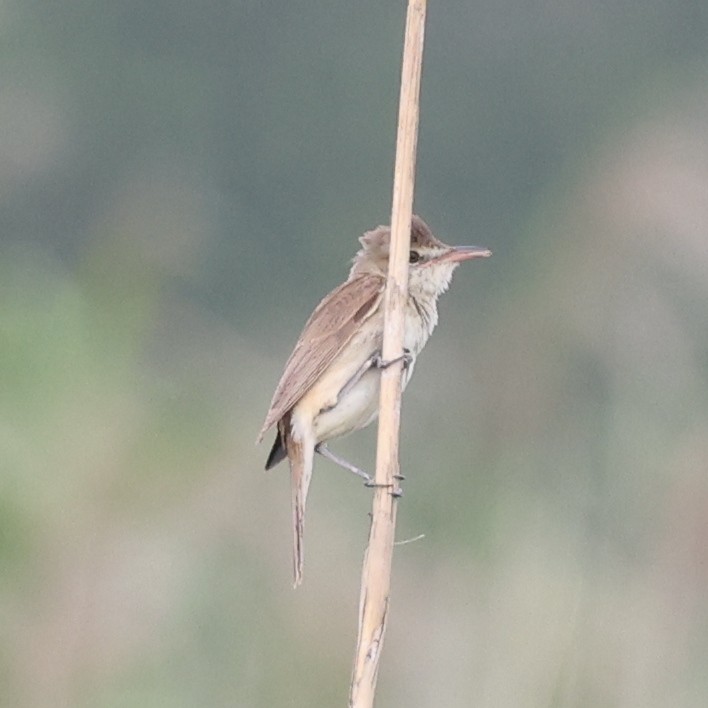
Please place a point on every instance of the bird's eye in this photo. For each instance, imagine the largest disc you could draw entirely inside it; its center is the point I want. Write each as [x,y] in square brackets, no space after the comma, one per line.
[413,257]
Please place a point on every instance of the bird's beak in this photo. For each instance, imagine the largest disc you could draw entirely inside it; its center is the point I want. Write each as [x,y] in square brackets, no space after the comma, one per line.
[457,254]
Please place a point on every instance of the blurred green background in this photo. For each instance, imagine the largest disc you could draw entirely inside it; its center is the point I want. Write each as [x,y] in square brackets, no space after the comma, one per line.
[180,183]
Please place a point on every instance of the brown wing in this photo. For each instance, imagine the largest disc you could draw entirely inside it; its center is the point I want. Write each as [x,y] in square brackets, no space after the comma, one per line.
[330,327]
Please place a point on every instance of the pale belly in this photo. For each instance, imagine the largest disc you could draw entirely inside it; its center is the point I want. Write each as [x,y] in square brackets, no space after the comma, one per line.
[357,409]
[354,411]
[323,413]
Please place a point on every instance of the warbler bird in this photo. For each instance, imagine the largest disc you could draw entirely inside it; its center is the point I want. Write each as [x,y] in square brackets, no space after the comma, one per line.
[330,385]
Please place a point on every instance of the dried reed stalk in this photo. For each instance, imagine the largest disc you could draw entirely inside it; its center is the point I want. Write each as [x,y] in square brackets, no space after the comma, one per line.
[376,573]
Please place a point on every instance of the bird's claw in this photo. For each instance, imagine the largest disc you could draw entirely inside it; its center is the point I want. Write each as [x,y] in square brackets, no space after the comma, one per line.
[406,358]
[396,491]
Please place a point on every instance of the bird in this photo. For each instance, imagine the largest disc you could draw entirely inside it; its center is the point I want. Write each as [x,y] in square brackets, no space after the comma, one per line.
[330,385]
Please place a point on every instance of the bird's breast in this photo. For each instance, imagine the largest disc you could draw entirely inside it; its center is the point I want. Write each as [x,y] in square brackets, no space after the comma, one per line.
[421,318]
[328,412]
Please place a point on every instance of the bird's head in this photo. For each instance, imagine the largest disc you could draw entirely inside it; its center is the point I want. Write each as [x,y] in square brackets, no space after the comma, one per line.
[430,261]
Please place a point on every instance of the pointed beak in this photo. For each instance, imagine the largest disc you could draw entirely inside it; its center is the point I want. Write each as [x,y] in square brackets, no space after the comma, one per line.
[457,254]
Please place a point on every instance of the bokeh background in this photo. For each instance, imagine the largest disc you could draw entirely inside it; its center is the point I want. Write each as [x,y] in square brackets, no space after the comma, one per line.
[180,183]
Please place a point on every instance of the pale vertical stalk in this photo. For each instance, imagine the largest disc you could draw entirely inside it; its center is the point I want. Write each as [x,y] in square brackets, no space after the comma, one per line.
[376,573]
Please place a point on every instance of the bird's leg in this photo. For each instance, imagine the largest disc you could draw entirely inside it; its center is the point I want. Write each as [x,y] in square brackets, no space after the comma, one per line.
[328,454]
[323,450]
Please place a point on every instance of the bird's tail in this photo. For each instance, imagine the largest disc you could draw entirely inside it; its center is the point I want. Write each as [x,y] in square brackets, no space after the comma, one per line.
[301,456]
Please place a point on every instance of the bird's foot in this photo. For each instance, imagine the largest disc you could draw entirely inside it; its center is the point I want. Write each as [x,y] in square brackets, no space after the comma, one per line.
[406,358]
[396,490]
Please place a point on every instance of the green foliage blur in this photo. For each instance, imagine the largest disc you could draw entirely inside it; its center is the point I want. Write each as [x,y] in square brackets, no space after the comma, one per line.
[180,183]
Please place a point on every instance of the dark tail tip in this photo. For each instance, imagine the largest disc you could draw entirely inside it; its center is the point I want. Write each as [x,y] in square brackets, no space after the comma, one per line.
[277,452]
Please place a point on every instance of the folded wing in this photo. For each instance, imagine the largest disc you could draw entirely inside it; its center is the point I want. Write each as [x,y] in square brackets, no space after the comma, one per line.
[330,327]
